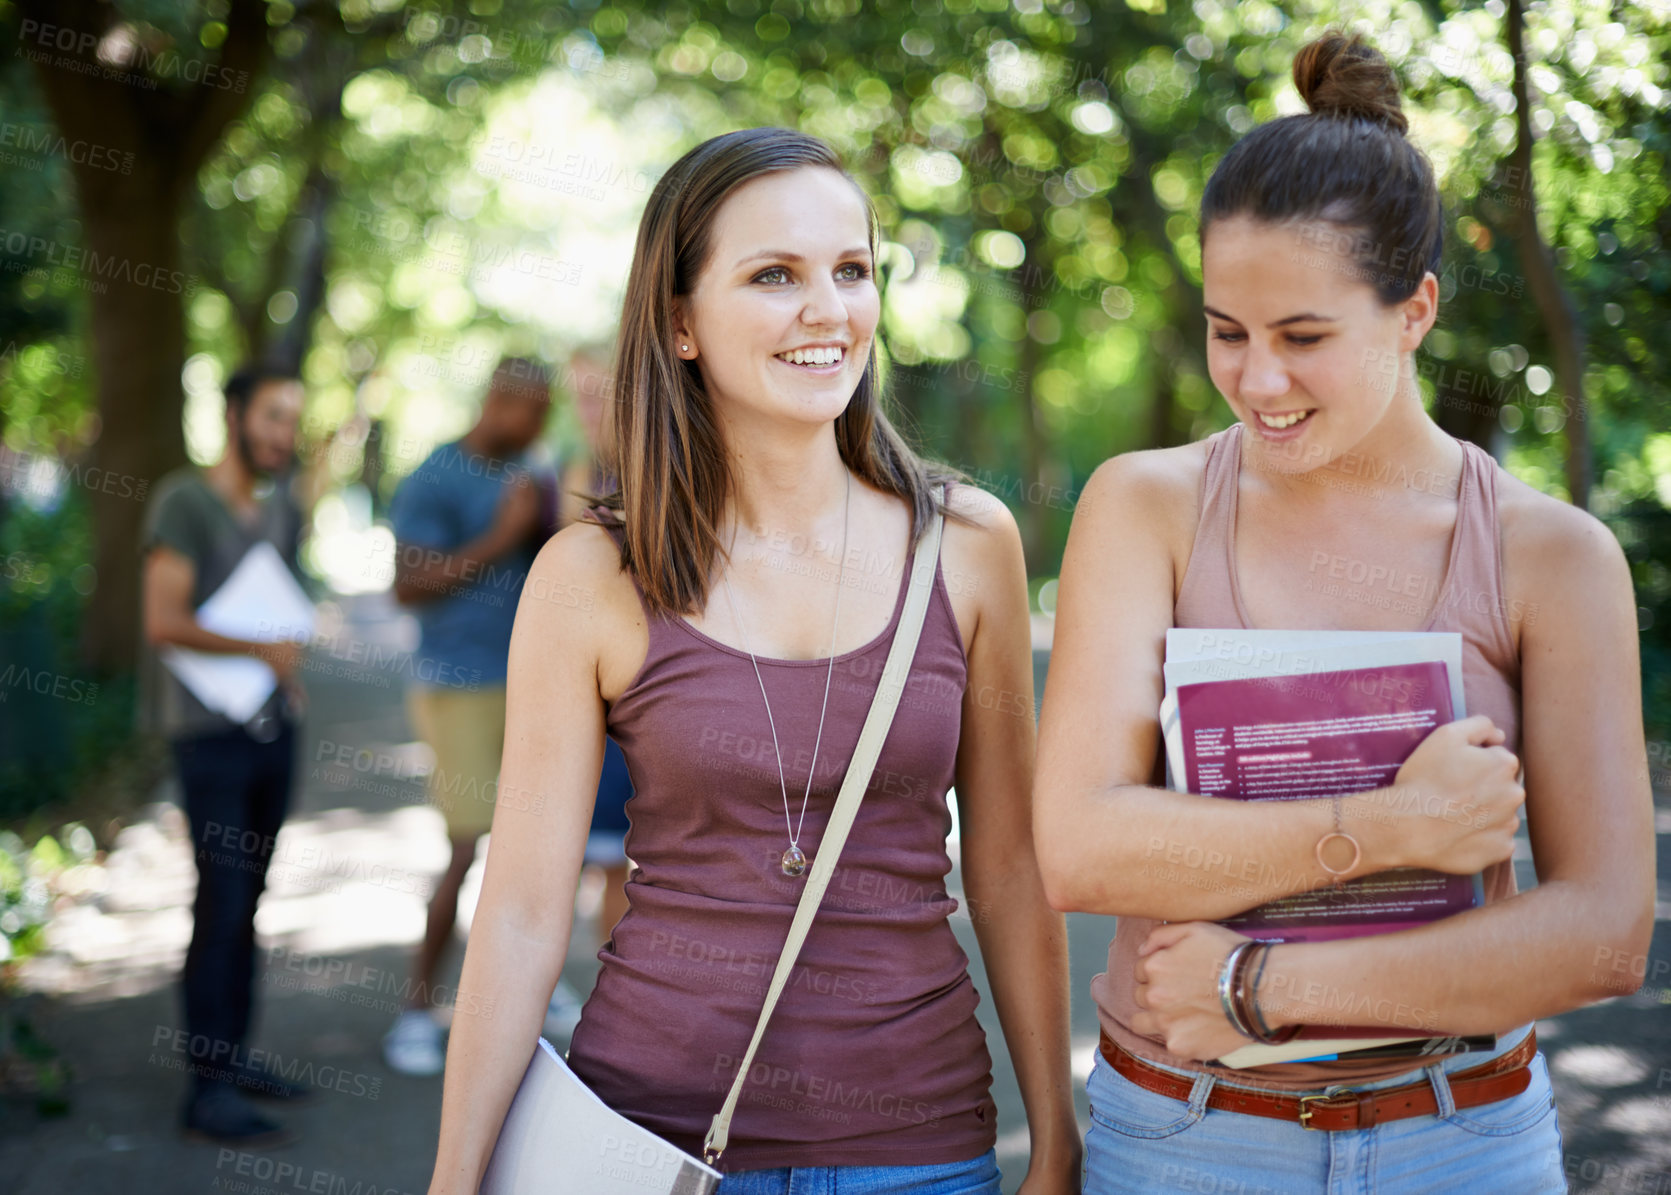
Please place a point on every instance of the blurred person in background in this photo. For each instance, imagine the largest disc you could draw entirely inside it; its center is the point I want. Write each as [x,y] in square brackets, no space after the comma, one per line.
[585,474]
[467,523]
[235,779]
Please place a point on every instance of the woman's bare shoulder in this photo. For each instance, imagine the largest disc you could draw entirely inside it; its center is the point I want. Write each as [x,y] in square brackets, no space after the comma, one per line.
[579,570]
[1555,555]
[580,551]
[1541,529]
[980,516]
[579,601]
[1159,486]
[981,557]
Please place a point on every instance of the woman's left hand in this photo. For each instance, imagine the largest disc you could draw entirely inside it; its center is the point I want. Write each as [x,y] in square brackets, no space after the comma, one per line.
[1177,972]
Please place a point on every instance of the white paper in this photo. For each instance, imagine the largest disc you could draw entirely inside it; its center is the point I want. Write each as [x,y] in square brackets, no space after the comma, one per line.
[1247,653]
[260,601]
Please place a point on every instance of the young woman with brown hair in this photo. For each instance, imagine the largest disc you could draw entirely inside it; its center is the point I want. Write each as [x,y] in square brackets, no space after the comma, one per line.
[1321,250]
[704,621]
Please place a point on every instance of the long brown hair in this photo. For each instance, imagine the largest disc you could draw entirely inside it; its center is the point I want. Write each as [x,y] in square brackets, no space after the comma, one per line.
[667,450]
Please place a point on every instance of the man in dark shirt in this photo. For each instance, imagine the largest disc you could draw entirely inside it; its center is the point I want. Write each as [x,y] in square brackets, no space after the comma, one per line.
[235,778]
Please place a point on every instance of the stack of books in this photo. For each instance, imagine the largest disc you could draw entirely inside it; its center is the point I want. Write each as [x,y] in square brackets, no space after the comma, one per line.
[1290,715]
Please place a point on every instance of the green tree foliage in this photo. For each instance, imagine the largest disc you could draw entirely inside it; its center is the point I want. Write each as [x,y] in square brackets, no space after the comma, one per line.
[412,188]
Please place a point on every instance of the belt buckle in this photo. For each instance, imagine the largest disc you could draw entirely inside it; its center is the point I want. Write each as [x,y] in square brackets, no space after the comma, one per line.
[1305,1109]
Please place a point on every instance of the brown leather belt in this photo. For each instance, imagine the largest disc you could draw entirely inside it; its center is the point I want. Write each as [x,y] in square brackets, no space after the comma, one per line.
[1504,1076]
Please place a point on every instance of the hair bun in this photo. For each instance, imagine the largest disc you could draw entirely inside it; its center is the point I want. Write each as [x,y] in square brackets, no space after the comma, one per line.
[1341,76]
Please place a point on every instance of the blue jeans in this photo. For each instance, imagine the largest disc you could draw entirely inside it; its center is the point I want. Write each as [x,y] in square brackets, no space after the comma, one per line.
[1144,1142]
[976,1177]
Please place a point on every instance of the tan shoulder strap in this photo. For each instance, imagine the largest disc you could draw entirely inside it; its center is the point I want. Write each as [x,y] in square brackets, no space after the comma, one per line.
[859,769]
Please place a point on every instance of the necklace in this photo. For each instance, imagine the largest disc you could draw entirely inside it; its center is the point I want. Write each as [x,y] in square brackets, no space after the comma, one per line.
[794,860]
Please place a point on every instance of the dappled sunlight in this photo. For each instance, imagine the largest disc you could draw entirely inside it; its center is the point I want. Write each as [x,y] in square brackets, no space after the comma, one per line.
[1599,1066]
[394,195]
[341,880]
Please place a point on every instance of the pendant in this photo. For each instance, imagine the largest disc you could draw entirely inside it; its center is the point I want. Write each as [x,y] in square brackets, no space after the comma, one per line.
[794,862]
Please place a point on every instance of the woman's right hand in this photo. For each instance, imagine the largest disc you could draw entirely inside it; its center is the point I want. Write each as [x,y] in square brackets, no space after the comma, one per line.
[1455,804]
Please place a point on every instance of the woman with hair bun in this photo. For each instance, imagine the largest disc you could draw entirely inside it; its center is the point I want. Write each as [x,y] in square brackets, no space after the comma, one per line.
[1321,249]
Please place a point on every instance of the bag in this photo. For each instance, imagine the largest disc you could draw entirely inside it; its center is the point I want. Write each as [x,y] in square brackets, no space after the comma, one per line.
[558,1138]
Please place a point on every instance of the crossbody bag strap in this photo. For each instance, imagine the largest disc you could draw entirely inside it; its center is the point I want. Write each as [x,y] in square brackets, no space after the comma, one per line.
[859,769]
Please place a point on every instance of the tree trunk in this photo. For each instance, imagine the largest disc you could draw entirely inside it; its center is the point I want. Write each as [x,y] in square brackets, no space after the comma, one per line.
[130,260]
[296,261]
[1560,318]
[1464,410]
[139,339]
[1040,466]
[1035,448]
[1183,297]
[291,345]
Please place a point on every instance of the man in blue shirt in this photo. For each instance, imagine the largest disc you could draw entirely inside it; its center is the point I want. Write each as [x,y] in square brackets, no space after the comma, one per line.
[467,523]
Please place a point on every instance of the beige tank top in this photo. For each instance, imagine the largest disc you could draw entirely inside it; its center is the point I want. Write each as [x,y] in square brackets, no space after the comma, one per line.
[1470,600]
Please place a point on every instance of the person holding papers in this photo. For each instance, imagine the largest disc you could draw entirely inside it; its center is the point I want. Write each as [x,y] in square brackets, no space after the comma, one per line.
[235,774]
[1335,503]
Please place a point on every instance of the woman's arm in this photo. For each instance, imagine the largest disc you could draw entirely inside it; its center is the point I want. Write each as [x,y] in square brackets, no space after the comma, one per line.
[1590,818]
[1023,942]
[554,730]
[1110,842]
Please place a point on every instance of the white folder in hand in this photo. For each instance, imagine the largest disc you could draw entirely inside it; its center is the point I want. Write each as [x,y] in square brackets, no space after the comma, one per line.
[260,601]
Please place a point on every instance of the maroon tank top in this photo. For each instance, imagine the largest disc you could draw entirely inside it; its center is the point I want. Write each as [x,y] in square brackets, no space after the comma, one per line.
[873,1055]
[1469,600]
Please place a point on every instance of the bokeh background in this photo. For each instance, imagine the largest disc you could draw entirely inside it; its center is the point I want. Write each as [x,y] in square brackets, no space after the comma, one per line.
[388,196]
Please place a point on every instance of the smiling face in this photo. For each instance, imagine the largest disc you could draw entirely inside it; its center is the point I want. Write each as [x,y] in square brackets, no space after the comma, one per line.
[1299,343]
[781,319]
